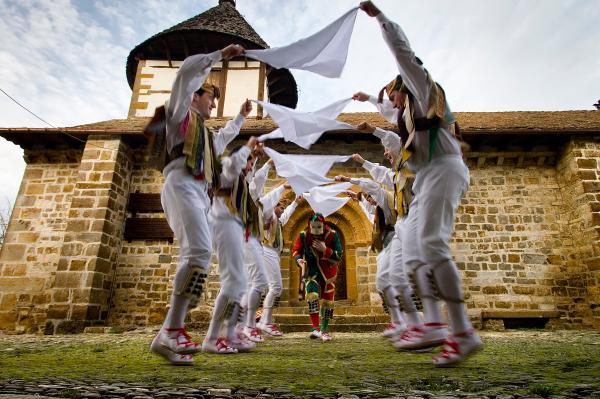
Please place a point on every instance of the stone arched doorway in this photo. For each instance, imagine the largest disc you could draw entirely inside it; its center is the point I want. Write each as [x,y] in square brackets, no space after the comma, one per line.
[341,286]
[355,232]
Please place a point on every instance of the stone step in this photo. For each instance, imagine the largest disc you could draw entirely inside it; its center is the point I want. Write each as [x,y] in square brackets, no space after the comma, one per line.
[334,327]
[340,323]
[339,319]
[339,310]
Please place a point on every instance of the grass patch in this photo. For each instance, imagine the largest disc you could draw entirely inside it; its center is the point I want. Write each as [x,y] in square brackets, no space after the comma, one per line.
[545,391]
[524,362]
[70,393]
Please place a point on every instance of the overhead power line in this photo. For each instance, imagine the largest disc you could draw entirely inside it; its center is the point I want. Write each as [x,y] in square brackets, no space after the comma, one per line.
[51,125]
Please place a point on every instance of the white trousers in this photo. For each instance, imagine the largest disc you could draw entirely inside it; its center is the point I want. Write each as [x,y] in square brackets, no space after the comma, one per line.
[438,190]
[255,265]
[390,266]
[229,237]
[187,210]
[273,271]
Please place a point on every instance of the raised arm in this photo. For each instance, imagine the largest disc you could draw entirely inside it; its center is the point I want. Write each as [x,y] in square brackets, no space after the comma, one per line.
[232,165]
[226,134]
[190,76]
[373,189]
[258,181]
[385,108]
[413,74]
[288,212]
[270,200]
[380,174]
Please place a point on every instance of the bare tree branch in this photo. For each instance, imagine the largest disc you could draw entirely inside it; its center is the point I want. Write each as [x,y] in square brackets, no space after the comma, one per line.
[5,211]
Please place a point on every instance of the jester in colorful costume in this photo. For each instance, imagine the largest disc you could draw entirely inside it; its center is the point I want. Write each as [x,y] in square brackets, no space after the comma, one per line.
[318,251]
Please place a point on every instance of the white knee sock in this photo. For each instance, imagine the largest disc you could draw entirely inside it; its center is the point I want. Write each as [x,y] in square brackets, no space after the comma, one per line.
[253,301]
[449,283]
[431,306]
[216,322]
[393,306]
[267,315]
[177,312]
[231,323]
[411,317]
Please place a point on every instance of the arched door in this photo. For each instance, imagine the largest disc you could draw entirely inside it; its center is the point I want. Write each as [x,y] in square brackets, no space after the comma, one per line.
[341,281]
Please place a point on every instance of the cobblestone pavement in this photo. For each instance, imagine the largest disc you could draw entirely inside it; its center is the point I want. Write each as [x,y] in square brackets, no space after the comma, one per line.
[56,388]
[94,388]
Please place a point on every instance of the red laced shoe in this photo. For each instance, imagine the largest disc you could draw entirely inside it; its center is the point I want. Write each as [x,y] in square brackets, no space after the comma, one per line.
[177,340]
[457,348]
[220,347]
[174,358]
[393,329]
[272,330]
[241,343]
[252,334]
[422,336]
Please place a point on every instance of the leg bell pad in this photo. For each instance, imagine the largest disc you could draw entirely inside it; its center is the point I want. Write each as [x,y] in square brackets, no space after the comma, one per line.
[192,284]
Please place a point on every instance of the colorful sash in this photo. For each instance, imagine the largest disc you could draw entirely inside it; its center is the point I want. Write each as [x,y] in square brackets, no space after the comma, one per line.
[198,147]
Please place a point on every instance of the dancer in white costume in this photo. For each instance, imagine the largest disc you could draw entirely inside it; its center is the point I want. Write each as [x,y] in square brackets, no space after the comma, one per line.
[276,215]
[228,212]
[427,128]
[394,285]
[253,253]
[384,220]
[192,152]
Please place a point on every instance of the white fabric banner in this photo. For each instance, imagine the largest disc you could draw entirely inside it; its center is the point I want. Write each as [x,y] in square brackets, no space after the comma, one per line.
[324,199]
[304,172]
[318,164]
[304,128]
[299,178]
[324,53]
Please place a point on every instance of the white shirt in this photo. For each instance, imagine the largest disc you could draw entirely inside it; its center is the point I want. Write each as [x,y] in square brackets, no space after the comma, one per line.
[378,193]
[415,79]
[232,166]
[191,75]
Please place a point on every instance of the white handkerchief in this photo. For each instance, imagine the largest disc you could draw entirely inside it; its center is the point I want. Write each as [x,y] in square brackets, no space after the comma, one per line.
[304,128]
[324,53]
[327,207]
[292,164]
[324,192]
[300,178]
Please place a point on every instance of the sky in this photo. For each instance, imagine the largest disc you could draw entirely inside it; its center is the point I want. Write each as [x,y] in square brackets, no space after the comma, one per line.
[65,59]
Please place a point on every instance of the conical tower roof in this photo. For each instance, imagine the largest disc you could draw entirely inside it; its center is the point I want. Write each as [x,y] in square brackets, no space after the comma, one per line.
[209,31]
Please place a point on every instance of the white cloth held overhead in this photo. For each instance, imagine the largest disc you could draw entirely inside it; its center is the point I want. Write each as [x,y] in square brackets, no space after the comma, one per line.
[304,128]
[304,172]
[324,53]
[299,178]
[324,199]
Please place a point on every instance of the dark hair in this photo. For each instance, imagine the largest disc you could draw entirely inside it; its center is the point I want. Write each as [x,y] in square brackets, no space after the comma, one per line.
[216,91]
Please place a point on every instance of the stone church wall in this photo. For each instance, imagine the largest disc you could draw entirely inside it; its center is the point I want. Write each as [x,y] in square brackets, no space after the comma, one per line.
[526,241]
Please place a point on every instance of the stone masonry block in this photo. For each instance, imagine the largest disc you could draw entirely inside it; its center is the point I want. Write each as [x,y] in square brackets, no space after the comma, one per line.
[8,302]
[69,279]
[584,163]
[58,311]
[496,289]
[12,252]
[21,284]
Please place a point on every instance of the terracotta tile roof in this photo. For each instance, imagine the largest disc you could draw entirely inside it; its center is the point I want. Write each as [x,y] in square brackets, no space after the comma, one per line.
[470,121]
